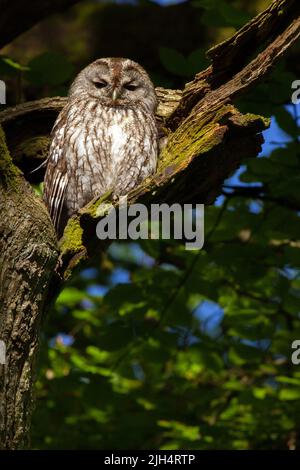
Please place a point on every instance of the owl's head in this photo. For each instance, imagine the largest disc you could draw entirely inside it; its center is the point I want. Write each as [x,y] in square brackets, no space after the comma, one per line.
[115,82]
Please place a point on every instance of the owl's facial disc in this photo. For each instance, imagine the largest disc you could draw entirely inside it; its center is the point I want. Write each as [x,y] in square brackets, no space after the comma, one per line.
[116,89]
[115,82]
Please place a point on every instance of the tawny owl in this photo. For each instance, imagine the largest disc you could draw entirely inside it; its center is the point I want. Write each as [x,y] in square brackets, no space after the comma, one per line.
[105,138]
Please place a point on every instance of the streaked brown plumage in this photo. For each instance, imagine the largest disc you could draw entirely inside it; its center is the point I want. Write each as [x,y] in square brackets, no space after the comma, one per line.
[105,138]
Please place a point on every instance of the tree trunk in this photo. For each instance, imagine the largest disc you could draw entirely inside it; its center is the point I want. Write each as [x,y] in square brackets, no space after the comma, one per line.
[28,254]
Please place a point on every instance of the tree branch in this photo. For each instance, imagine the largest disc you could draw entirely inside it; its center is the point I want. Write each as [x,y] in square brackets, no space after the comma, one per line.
[233,70]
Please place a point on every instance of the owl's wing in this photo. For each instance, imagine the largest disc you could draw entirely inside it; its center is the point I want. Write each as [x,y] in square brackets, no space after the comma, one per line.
[56,177]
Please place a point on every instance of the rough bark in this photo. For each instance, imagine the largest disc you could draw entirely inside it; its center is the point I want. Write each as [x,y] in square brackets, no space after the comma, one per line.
[28,254]
[205,136]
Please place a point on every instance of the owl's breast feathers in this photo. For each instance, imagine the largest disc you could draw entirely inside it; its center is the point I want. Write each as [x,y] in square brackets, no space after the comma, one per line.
[95,149]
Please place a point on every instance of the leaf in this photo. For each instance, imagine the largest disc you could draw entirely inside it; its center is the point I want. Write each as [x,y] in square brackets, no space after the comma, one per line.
[197,61]
[116,336]
[174,62]
[70,296]
[286,122]
[50,69]
[13,64]
[125,298]
[9,67]
[220,13]
[288,394]
[180,430]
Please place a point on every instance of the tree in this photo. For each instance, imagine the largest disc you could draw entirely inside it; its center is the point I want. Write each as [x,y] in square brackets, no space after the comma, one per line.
[205,134]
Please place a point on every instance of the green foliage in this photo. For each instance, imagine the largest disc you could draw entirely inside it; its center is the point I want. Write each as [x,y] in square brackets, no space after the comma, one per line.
[50,72]
[9,66]
[193,349]
[175,62]
[220,13]
[49,69]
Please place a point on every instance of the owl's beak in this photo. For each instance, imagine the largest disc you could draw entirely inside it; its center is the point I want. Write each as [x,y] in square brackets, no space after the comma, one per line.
[115,94]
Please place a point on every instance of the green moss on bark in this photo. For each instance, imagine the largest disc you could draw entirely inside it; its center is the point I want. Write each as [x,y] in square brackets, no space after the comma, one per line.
[71,241]
[198,135]
[195,137]
[8,171]
[98,207]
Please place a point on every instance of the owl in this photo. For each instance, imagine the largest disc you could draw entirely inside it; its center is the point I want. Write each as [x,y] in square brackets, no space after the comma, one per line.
[105,138]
